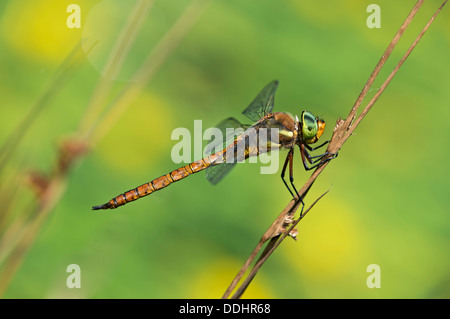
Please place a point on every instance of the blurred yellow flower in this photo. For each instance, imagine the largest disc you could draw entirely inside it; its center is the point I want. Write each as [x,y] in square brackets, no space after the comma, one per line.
[329,241]
[144,123]
[38,29]
[214,279]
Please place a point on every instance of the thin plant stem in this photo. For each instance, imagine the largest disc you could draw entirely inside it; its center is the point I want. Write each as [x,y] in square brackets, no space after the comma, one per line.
[54,188]
[62,74]
[115,61]
[154,61]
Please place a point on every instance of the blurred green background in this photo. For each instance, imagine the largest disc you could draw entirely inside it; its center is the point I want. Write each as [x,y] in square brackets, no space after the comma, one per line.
[388,204]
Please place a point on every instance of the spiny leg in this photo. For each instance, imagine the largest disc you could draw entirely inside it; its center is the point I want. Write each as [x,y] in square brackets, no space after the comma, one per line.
[291,171]
[307,157]
[304,194]
[317,147]
[311,149]
[283,171]
[290,160]
[291,178]
[320,156]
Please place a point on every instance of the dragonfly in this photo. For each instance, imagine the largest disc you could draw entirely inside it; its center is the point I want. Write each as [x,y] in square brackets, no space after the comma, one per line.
[291,130]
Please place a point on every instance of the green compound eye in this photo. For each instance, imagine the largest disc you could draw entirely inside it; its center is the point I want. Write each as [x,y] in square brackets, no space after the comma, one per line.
[309,126]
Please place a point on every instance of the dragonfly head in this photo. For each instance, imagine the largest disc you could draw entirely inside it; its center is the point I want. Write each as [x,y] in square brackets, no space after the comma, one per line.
[312,127]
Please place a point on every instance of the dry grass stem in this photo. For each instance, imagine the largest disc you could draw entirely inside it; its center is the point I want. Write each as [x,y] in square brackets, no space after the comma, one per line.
[66,69]
[19,236]
[115,61]
[278,231]
[154,61]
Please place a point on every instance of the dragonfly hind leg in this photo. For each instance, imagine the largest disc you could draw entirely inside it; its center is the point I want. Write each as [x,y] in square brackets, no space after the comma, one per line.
[290,160]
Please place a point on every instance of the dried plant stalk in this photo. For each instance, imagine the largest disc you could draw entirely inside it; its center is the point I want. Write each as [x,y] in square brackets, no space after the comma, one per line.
[52,186]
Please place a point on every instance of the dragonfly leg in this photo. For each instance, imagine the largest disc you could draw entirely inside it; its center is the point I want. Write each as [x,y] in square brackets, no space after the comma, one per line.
[317,147]
[291,179]
[290,160]
[283,171]
[291,171]
[306,157]
[321,155]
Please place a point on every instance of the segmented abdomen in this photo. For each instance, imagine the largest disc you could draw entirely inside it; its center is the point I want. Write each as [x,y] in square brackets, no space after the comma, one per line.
[160,182]
[231,152]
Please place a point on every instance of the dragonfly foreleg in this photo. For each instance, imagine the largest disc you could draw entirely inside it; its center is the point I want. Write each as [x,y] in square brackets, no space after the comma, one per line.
[317,147]
[318,158]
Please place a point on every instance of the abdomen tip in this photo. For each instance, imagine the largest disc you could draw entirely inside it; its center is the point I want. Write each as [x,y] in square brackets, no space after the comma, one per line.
[104,206]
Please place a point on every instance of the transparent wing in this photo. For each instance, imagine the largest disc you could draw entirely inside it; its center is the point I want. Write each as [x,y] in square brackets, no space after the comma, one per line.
[263,103]
[216,173]
[229,128]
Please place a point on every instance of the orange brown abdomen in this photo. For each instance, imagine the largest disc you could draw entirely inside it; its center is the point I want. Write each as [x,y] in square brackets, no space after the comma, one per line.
[160,182]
